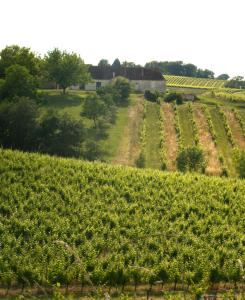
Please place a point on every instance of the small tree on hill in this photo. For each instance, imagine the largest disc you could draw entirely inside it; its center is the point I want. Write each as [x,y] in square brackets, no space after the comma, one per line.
[191,159]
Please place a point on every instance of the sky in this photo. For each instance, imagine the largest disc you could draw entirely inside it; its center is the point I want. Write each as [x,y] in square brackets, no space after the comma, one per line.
[207,33]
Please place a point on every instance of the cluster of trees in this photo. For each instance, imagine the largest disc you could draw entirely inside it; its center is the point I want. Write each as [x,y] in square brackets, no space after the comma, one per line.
[117,64]
[237,82]
[22,71]
[24,125]
[178,68]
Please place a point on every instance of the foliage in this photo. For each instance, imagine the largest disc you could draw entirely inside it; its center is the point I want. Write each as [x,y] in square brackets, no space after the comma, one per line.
[173,96]
[94,108]
[15,55]
[18,82]
[66,69]
[122,89]
[236,83]
[18,124]
[23,127]
[151,96]
[239,156]
[116,64]
[178,68]
[59,134]
[103,63]
[183,229]
[223,77]
[191,159]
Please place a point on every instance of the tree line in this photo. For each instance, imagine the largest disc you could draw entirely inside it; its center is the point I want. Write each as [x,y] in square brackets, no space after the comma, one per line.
[177,68]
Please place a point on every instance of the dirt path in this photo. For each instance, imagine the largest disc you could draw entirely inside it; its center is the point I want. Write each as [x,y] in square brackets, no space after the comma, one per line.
[129,147]
[207,143]
[171,141]
[235,129]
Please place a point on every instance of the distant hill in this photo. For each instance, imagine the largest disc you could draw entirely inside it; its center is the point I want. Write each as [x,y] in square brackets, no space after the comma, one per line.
[193,82]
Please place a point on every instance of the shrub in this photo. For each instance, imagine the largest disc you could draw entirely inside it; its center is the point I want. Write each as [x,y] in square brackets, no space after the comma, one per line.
[191,159]
[140,161]
[173,96]
[151,96]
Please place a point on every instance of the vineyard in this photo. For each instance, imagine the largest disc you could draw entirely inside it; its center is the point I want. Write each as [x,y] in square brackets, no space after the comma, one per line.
[192,82]
[89,224]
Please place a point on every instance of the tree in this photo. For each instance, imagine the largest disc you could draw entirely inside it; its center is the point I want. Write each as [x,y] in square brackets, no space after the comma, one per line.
[116,64]
[22,56]
[173,96]
[103,63]
[236,82]
[66,69]
[59,134]
[129,64]
[19,82]
[191,159]
[18,124]
[122,89]
[223,77]
[94,108]
[205,73]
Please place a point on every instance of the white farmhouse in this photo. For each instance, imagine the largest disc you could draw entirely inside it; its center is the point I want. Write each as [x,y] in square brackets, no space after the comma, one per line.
[141,78]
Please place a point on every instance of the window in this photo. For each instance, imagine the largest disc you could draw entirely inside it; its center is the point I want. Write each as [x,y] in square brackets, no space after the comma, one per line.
[98,84]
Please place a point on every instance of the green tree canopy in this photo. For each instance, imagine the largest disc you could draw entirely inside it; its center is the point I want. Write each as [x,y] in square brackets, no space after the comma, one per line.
[18,124]
[191,159]
[19,82]
[22,56]
[66,69]
[116,64]
[223,77]
[103,63]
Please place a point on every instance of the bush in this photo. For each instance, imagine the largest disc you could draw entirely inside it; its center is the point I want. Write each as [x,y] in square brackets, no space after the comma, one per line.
[19,82]
[191,159]
[151,96]
[140,161]
[172,96]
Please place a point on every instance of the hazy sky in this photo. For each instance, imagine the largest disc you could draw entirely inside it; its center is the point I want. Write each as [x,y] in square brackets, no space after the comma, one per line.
[208,33]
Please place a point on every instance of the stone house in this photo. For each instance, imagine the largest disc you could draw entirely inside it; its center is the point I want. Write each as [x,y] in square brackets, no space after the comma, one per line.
[141,78]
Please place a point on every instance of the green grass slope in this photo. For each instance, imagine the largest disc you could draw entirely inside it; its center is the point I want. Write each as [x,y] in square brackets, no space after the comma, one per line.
[180,228]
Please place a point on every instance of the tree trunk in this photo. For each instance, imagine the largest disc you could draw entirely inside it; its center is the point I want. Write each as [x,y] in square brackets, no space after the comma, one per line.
[64,90]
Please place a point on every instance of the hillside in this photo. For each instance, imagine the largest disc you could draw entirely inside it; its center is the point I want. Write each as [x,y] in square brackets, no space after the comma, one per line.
[122,144]
[193,82]
[70,221]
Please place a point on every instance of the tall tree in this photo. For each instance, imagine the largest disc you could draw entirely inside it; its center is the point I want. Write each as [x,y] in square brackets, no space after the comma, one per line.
[103,63]
[22,56]
[116,64]
[66,69]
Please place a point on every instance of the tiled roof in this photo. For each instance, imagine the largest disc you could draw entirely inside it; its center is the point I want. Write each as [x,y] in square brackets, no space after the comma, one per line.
[107,73]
